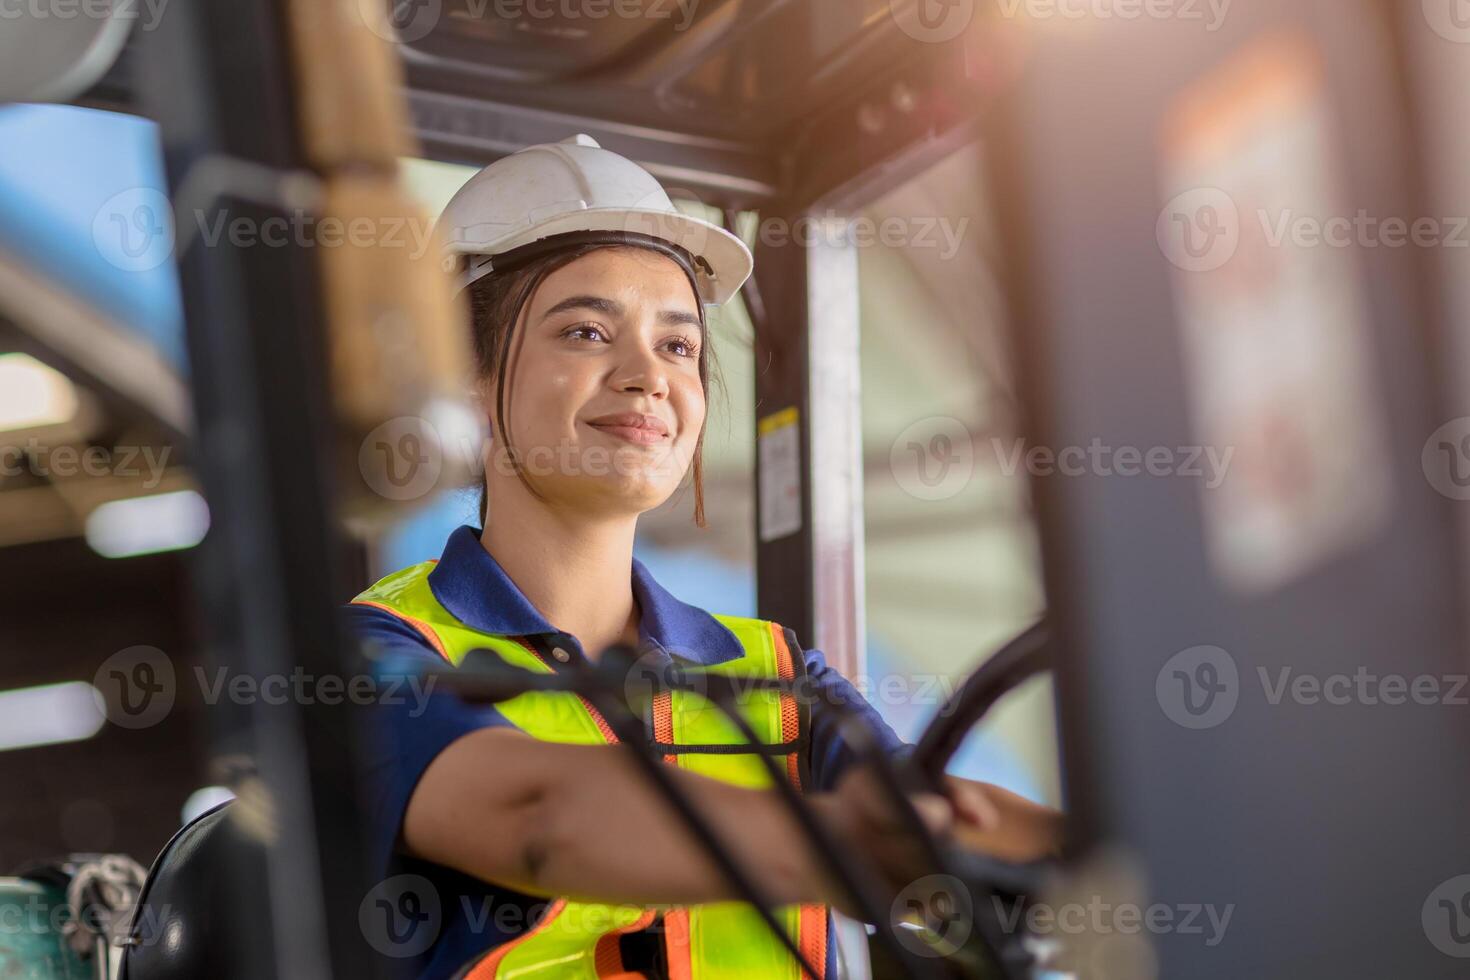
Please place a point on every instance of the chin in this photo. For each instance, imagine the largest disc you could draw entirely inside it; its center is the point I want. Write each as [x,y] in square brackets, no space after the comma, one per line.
[636,491]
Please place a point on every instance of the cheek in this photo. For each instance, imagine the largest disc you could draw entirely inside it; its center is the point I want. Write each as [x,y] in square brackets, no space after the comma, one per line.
[690,403]
[547,397]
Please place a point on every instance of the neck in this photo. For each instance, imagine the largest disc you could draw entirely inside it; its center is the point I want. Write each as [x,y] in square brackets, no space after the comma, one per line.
[577,571]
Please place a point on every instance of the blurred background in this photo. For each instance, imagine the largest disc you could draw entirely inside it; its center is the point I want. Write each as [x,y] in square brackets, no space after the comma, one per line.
[1234,232]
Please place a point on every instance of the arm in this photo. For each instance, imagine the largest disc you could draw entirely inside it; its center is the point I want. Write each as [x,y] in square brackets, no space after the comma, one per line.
[998,822]
[578,820]
[461,787]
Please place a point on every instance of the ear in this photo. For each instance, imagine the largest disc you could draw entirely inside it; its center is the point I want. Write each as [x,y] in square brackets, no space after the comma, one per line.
[481,395]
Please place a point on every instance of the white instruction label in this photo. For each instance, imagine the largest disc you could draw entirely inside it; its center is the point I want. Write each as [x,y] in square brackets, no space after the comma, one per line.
[778,439]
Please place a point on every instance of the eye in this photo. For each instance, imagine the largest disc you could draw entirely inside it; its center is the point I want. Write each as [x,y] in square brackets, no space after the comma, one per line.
[584,331]
[682,346]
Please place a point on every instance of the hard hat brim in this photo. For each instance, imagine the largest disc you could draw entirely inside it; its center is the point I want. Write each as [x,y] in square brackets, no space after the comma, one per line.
[728,259]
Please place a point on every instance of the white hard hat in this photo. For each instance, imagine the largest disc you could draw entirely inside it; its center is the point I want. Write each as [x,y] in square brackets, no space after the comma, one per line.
[554,195]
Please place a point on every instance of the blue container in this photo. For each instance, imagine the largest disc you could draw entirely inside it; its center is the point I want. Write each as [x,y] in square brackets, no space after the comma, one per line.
[32,946]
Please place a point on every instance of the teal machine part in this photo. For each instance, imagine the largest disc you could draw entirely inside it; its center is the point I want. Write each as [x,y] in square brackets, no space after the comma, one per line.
[32,943]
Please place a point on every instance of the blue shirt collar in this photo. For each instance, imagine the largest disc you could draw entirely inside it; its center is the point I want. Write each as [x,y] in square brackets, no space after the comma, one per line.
[470,583]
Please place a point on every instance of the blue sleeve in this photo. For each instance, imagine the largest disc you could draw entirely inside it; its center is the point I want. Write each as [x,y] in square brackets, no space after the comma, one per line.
[833,696]
[407,728]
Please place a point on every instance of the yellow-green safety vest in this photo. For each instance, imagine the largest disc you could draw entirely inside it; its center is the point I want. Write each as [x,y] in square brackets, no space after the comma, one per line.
[723,941]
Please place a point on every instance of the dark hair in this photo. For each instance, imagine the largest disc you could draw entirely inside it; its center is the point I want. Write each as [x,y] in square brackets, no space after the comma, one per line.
[496,304]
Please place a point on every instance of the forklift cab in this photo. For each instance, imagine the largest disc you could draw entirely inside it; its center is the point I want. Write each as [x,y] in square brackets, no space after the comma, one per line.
[1039,328]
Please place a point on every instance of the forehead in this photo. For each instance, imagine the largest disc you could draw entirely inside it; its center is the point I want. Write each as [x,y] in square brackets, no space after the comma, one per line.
[629,275]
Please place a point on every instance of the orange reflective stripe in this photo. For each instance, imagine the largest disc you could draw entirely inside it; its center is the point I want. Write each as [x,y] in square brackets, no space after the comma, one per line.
[812,939]
[663,722]
[677,944]
[424,629]
[790,711]
[490,965]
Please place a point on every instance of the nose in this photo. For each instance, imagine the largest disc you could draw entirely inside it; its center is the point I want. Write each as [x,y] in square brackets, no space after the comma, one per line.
[641,371]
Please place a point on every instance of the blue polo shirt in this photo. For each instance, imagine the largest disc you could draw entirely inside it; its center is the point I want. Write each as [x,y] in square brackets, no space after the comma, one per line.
[408,733]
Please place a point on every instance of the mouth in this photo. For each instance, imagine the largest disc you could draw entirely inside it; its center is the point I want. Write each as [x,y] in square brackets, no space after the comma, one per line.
[641,430]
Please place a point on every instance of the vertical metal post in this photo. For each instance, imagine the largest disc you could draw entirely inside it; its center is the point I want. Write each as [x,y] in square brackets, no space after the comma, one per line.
[809,507]
[217,77]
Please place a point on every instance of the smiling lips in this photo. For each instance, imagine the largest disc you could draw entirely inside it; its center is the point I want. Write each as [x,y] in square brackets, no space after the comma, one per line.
[644,430]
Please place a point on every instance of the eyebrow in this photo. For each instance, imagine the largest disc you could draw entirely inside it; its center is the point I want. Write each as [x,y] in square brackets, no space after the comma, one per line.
[611,307]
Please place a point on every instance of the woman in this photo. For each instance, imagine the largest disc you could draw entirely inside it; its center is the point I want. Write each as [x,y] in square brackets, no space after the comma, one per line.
[588,293]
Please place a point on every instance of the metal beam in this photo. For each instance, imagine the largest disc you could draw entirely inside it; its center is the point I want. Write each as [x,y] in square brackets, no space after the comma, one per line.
[216,76]
[464,129]
[809,565]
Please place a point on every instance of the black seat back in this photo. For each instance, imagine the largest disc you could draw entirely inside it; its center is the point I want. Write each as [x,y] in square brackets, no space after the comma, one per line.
[178,929]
